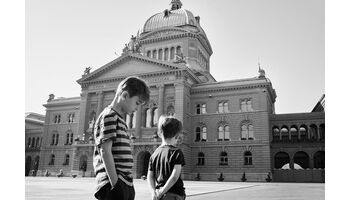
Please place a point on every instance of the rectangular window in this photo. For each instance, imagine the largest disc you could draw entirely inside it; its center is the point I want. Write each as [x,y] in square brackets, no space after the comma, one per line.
[201,108]
[57,118]
[71,118]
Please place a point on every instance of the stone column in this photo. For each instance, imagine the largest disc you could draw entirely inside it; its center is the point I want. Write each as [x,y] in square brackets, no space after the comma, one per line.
[280,133]
[161,99]
[311,163]
[318,133]
[308,132]
[289,133]
[179,101]
[138,122]
[99,103]
[291,163]
[82,113]
[298,132]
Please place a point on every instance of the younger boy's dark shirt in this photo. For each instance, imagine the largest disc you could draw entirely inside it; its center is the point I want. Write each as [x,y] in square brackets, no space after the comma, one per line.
[162,163]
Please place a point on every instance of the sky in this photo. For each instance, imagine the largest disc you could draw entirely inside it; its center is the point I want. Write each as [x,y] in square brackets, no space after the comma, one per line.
[287,38]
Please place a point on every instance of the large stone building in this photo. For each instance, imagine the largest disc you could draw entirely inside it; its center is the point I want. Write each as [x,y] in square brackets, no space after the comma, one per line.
[230,127]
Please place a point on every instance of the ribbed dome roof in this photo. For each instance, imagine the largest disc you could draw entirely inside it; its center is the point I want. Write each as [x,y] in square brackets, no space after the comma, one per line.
[178,17]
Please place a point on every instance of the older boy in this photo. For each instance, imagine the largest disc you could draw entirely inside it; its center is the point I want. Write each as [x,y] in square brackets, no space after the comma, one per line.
[166,163]
[112,158]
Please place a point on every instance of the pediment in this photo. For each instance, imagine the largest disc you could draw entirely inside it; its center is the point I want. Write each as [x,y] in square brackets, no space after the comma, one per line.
[128,65]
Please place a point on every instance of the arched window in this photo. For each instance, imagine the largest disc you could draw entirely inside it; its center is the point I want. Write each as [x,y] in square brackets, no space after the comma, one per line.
[198,134]
[281,158]
[155,116]
[200,158]
[149,54]
[29,142]
[71,138]
[285,133]
[52,160]
[302,159]
[67,139]
[160,54]
[53,139]
[66,160]
[154,54]
[221,107]
[226,133]
[244,132]
[294,133]
[178,50]
[319,161]
[172,53]
[275,134]
[220,133]
[204,133]
[33,142]
[244,106]
[322,132]
[226,107]
[166,54]
[57,137]
[313,132]
[303,132]
[204,108]
[223,158]
[249,105]
[148,118]
[248,158]
[250,132]
[37,145]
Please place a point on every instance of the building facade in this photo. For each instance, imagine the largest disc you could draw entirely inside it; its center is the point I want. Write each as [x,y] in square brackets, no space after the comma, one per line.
[229,125]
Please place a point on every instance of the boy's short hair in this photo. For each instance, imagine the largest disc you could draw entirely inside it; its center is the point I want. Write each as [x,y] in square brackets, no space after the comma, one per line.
[169,126]
[135,87]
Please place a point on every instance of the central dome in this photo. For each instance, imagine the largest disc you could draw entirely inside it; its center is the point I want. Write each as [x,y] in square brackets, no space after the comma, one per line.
[170,18]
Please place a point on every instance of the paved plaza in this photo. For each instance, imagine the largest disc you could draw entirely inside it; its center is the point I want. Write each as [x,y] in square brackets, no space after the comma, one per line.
[52,188]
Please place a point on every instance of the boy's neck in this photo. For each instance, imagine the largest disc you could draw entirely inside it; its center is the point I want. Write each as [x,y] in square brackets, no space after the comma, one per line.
[116,106]
[171,141]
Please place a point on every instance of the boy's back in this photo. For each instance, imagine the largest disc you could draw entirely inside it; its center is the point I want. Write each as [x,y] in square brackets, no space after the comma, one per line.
[162,164]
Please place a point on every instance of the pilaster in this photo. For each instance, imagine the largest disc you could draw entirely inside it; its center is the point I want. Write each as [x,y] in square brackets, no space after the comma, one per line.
[161,99]
[179,101]
[99,102]
[138,122]
[82,112]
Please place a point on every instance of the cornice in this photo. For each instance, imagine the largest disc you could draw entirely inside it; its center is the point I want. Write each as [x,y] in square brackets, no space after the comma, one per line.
[177,72]
[228,88]
[121,59]
[202,39]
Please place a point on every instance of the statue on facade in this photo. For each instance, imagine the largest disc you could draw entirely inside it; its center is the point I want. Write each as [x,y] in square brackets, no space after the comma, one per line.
[87,70]
[133,46]
[180,58]
[261,72]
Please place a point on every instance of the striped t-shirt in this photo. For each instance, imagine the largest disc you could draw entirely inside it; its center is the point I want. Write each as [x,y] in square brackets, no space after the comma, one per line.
[111,126]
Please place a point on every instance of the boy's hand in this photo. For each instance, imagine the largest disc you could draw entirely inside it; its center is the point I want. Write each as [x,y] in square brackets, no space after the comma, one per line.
[159,193]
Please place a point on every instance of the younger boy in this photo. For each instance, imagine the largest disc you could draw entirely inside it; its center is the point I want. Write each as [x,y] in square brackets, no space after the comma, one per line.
[166,163]
[112,159]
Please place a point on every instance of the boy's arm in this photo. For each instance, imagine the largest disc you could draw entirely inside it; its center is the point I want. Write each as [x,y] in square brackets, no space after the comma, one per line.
[175,174]
[107,157]
[151,183]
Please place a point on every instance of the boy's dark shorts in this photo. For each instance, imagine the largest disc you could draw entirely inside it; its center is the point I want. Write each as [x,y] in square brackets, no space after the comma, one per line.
[120,191]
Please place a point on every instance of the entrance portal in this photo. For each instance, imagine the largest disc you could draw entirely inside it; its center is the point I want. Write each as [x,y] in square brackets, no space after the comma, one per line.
[142,164]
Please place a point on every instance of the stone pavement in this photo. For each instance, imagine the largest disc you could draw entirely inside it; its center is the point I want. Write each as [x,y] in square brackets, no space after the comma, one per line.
[67,188]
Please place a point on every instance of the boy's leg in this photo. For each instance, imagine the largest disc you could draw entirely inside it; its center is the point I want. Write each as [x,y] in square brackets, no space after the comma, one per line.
[172,196]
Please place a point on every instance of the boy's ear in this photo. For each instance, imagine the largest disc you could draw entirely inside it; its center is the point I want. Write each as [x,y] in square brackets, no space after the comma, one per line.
[125,94]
